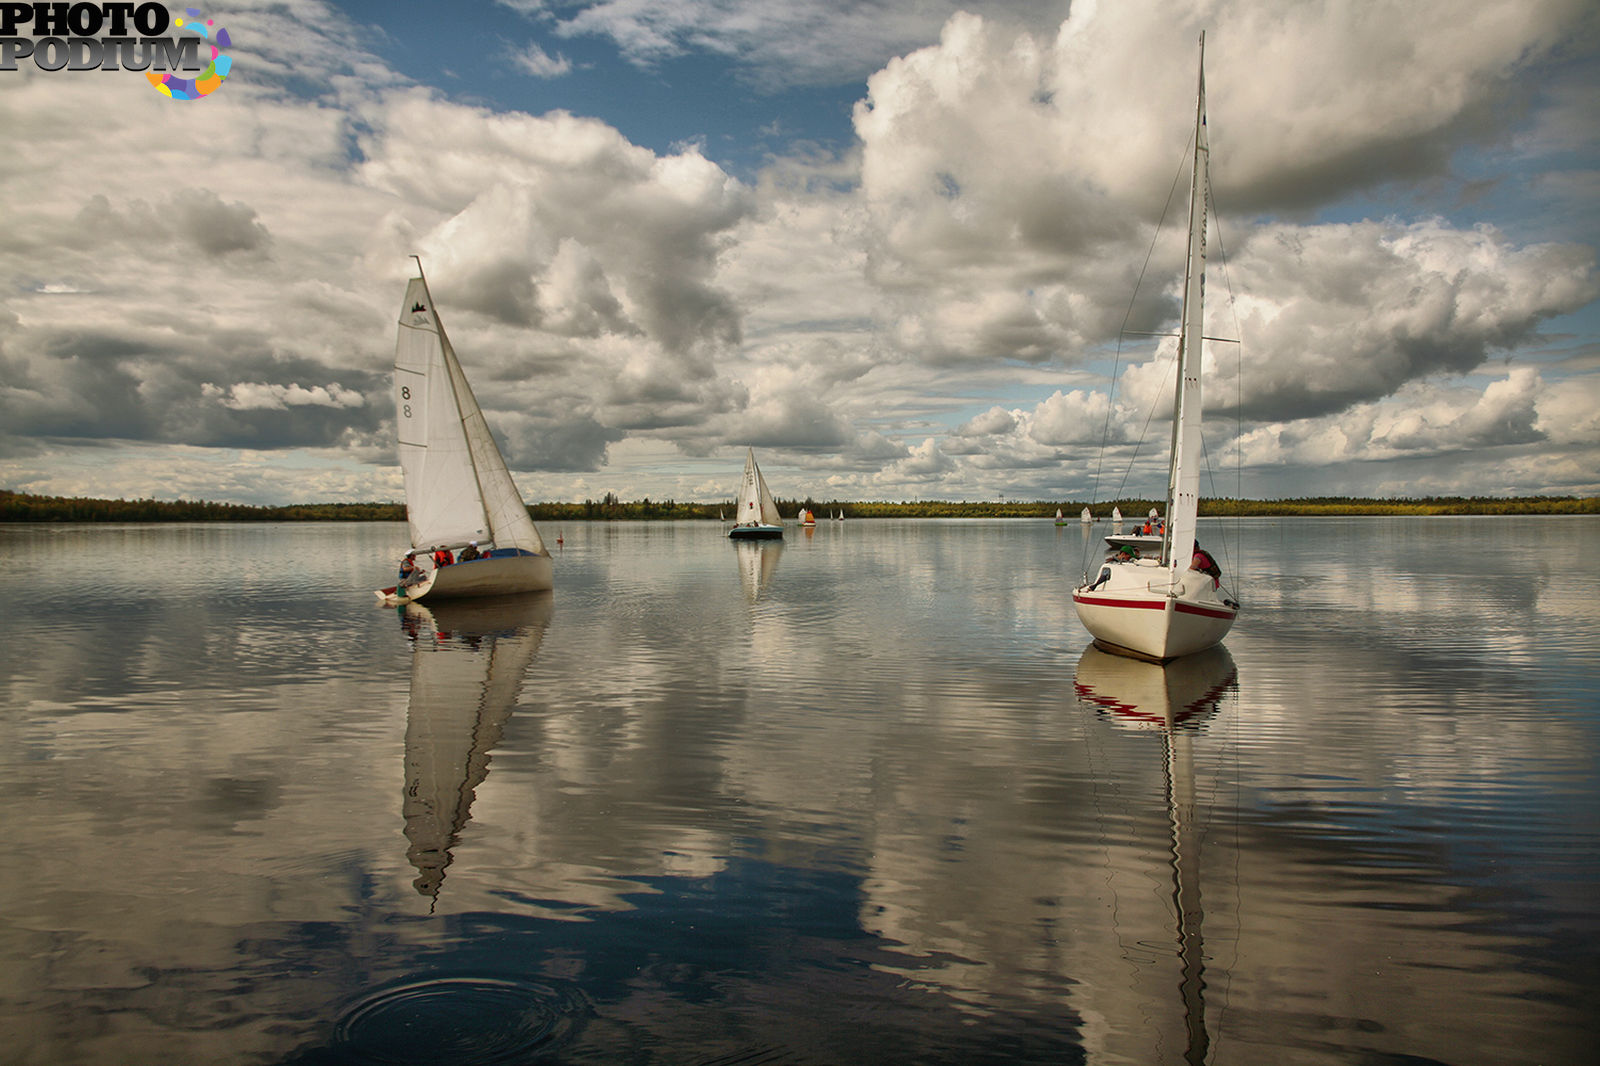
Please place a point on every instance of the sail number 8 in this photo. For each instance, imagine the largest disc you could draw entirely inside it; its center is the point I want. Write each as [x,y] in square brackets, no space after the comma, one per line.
[411,406]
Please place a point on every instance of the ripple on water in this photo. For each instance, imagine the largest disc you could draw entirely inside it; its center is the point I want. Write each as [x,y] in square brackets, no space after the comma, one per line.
[460,1019]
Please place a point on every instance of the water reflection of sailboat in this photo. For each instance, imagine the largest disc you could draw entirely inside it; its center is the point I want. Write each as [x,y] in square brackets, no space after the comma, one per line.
[1176,700]
[467,665]
[758,561]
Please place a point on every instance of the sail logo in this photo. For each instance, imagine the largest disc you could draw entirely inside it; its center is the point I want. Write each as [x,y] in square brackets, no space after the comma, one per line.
[119,36]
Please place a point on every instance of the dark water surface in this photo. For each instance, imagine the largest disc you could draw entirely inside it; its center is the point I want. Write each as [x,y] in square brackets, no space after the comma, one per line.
[864,797]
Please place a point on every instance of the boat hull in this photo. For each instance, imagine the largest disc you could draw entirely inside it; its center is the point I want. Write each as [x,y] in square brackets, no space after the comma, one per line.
[494,576]
[1148,544]
[1135,614]
[755,532]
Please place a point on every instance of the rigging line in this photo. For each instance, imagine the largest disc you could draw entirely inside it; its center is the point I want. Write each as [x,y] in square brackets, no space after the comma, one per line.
[1116,362]
[1238,384]
[1227,556]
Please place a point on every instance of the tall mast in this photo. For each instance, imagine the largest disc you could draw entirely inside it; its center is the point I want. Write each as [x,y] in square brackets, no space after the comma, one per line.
[1183,486]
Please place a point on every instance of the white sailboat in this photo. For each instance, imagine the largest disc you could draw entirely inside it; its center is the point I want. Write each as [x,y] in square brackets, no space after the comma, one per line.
[1086,518]
[1061,519]
[459,494]
[756,514]
[1159,608]
[1116,515]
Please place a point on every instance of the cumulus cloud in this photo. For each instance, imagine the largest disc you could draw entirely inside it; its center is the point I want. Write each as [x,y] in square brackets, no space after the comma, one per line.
[197,217]
[1012,178]
[934,309]
[531,59]
[774,43]
[559,221]
[259,396]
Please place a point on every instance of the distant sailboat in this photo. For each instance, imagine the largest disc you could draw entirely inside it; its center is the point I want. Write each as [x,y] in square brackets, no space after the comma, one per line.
[807,518]
[1086,518]
[1116,515]
[1159,608]
[756,514]
[459,494]
[1061,519]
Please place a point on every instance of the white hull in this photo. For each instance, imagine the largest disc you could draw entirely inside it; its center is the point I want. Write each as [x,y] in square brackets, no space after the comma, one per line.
[755,532]
[495,576]
[1148,544]
[1136,614]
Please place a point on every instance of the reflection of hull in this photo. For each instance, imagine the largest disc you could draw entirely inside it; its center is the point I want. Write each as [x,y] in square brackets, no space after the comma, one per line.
[755,531]
[1141,695]
[1174,700]
[1136,613]
[467,668]
[757,564]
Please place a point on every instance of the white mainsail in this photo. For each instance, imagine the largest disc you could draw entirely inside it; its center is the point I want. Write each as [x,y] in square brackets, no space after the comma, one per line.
[755,501]
[457,486]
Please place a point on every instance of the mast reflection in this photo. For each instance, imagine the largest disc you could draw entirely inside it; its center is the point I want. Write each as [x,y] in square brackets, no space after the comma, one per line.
[1175,700]
[467,665]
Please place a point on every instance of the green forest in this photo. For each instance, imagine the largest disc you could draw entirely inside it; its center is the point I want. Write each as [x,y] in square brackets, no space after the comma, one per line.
[22,507]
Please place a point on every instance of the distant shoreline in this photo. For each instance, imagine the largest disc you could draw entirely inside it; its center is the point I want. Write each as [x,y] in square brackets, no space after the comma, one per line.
[22,507]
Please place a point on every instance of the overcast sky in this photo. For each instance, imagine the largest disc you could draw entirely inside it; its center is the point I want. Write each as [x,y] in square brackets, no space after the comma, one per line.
[891,244]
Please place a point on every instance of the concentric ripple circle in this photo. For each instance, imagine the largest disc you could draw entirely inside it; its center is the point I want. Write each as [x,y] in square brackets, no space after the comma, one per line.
[459,1020]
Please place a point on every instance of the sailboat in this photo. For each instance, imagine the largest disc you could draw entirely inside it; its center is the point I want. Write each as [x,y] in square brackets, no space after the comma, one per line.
[1086,518]
[1061,519]
[1158,608]
[755,515]
[459,494]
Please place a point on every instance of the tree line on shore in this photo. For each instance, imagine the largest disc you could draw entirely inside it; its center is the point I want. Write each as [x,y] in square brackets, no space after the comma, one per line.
[23,507]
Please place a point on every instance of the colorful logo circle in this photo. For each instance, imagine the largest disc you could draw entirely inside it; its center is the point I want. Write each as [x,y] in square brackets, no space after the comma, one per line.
[209,79]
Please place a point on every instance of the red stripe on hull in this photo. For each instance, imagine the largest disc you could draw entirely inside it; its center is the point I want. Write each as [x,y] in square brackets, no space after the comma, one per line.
[1208,612]
[1097,601]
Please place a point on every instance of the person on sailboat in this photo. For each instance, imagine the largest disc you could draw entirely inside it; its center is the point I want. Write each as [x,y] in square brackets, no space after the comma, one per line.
[410,572]
[442,557]
[469,553]
[1203,562]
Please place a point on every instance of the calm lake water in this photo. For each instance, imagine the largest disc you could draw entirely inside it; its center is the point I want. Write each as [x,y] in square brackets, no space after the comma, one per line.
[865,797]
